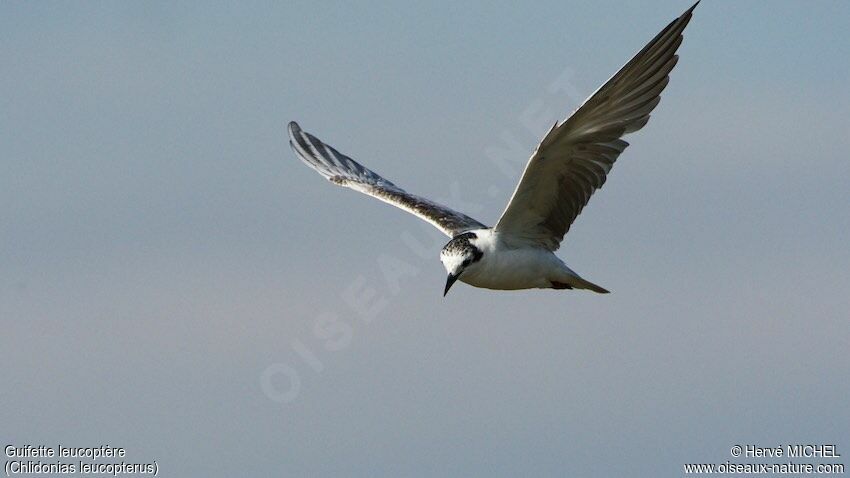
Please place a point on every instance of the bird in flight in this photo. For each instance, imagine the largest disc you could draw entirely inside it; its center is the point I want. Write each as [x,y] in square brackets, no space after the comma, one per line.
[570,163]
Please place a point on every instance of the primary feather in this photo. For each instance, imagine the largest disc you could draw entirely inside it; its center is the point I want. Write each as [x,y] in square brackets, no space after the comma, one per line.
[344,171]
[575,157]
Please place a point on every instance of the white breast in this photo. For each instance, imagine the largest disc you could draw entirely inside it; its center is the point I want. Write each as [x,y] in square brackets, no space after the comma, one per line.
[511,269]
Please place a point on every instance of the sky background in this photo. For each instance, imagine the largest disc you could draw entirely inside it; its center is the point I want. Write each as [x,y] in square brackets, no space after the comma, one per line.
[175,282]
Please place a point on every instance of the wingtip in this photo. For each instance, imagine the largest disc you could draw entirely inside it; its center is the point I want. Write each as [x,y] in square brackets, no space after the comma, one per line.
[688,12]
[294,131]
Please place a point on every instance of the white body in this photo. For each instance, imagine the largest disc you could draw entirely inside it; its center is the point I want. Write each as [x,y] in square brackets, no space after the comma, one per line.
[511,268]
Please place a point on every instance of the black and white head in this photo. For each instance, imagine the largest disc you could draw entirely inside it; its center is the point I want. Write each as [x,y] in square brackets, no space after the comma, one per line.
[459,254]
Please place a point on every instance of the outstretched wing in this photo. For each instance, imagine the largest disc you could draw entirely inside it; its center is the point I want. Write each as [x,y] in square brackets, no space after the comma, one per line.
[574,158]
[344,171]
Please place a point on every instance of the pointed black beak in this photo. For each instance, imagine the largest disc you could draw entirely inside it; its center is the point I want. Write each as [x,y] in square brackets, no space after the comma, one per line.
[449,281]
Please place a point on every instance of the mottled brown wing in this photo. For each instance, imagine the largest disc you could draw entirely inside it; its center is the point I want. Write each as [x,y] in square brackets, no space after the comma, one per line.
[344,171]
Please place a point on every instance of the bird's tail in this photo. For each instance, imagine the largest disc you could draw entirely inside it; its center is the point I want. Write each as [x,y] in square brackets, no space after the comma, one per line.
[579,283]
[585,284]
[571,280]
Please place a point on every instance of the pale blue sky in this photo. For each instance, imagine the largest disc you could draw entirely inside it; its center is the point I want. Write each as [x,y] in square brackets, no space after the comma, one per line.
[161,248]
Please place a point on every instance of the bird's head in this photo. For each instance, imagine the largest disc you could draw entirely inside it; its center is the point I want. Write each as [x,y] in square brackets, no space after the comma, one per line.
[456,256]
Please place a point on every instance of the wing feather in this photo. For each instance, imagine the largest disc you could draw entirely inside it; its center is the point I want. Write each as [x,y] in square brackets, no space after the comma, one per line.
[344,171]
[575,157]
